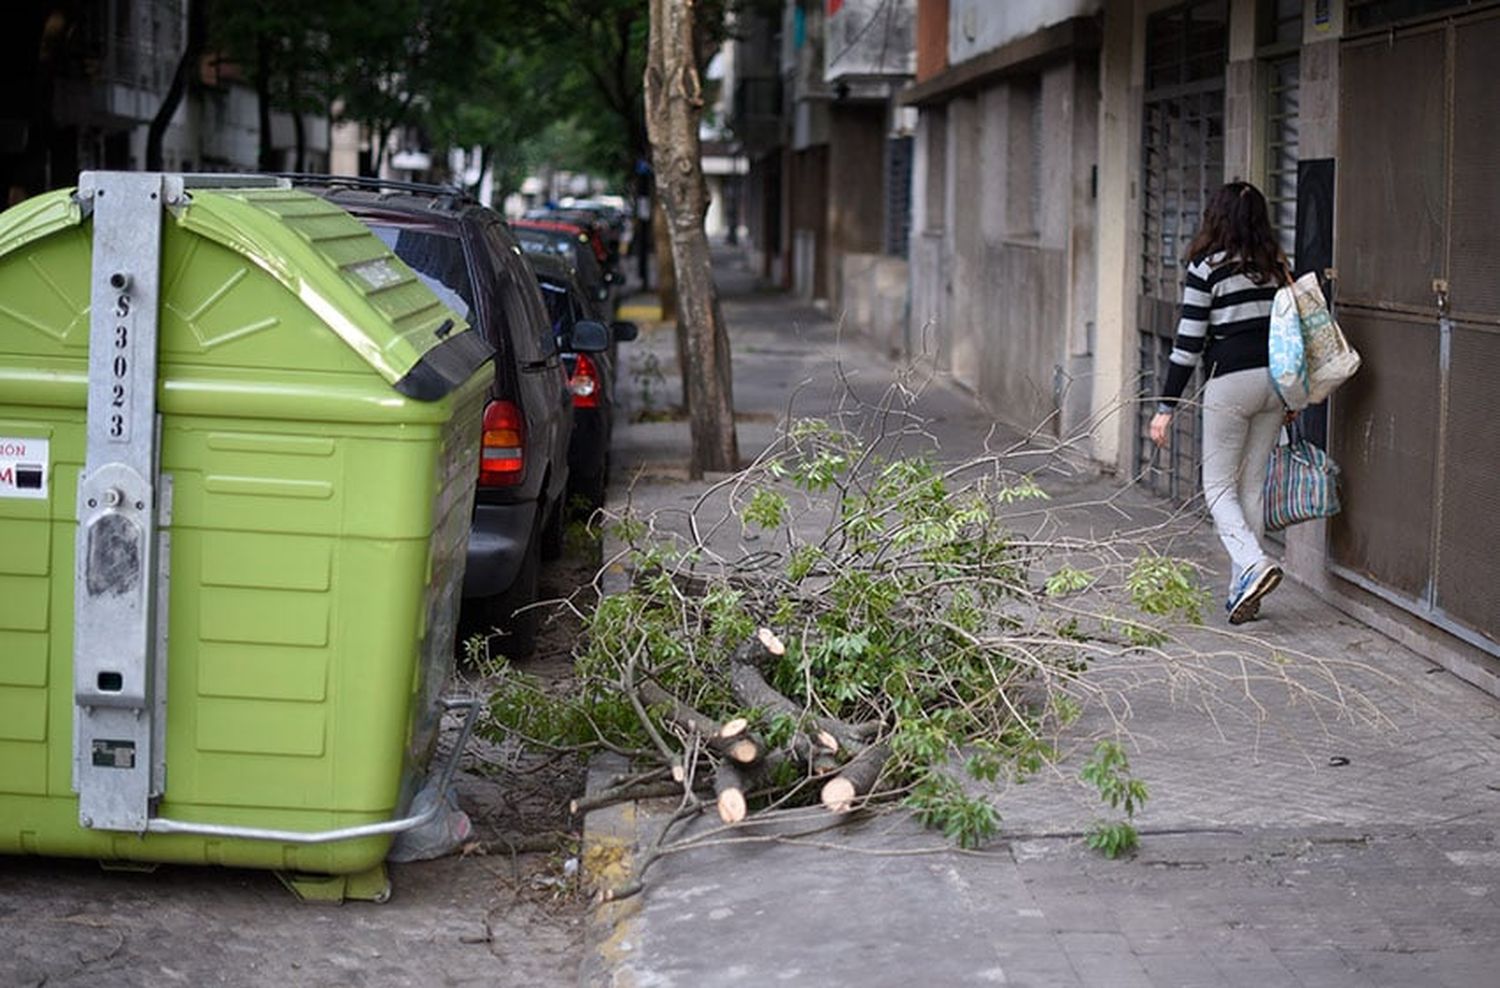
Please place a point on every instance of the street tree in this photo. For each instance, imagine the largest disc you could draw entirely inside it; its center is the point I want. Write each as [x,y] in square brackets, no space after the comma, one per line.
[674,109]
[192,49]
[280,47]
[388,58]
[512,99]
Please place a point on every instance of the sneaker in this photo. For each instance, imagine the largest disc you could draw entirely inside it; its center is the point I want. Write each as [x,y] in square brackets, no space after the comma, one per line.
[1252,612]
[1253,584]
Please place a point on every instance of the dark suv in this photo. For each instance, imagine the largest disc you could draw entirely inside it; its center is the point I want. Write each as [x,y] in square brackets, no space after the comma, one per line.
[466,255]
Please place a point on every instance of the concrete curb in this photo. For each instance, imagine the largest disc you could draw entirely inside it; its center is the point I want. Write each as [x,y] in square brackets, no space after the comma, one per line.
[610,840]
[608,860]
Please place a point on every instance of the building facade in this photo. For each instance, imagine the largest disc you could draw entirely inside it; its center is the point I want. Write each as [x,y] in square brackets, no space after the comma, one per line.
[826,195]
[1003,246]
[1063,152]
[83,81]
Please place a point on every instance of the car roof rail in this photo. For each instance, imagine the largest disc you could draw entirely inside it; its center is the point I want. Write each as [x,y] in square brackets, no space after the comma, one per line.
[372,184]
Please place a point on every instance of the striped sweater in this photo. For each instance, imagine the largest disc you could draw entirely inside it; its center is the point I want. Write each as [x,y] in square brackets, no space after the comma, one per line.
[1226,320]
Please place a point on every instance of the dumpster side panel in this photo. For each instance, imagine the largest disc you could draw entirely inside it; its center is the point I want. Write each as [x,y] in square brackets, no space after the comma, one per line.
[292,656]
[452,511]
[316,544]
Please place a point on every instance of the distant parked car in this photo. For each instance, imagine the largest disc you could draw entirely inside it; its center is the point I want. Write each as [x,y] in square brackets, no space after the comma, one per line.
[579,326]
[597,272]
[465,253]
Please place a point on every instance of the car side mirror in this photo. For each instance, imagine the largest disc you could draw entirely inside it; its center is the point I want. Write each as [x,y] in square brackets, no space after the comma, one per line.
[589,337]
[625,331]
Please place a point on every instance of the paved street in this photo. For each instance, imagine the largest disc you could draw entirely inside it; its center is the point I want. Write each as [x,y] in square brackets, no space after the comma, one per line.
[1333,827]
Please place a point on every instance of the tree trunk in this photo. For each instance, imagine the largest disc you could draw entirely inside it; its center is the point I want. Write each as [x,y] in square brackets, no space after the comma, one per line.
[732,739]
[192,46]
[266,159]
[299,128]
[666,270]
[674,107]
[666,297]
[299,125]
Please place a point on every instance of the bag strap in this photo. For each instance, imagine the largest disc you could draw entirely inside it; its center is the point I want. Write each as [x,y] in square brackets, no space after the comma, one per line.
[1293,432]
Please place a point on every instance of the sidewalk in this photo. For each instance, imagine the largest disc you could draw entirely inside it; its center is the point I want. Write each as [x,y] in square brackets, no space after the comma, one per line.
[1279,847]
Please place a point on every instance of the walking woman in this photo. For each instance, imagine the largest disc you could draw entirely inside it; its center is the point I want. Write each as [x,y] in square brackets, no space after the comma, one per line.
[1235,266]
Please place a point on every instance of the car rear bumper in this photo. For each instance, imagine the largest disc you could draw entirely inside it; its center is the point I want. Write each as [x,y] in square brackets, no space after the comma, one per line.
[497,545]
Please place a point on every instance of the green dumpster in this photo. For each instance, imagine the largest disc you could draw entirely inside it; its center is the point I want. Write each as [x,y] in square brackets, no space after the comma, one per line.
[238,447]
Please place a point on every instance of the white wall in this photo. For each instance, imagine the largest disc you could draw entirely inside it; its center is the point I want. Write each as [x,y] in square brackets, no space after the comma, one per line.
[871,38]
[1004,278]
[977,26]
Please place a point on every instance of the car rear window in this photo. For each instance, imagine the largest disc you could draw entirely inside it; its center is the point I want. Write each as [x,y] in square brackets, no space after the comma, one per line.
[542,242]
[438,260]
[559,306]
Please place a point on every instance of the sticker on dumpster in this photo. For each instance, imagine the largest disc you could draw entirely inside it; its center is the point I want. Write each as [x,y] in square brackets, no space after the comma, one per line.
[379,273]
[23,467]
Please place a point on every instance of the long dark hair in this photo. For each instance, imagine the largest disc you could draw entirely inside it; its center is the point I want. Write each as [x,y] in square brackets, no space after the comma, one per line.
[1237,222]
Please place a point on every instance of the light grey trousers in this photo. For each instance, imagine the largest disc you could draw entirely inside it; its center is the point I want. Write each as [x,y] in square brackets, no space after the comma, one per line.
[1242,417]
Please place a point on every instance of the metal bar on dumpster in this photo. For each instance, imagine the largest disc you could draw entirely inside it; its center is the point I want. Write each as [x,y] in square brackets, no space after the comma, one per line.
[161,825]
[115,576]
[232,180]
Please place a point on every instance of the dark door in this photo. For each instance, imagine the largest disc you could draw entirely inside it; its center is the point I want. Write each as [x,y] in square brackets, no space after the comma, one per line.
[1417,431]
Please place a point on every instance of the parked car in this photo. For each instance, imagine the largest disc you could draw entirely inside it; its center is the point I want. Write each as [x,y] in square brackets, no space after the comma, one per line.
[615,219]
[576,241]
[466,254]
[599,228]
[577,323]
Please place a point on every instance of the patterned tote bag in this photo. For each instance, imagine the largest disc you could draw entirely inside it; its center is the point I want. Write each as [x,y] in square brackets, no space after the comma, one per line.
[1302,483]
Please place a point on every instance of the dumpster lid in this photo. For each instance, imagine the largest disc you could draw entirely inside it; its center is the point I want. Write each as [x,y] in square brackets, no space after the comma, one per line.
[329,260]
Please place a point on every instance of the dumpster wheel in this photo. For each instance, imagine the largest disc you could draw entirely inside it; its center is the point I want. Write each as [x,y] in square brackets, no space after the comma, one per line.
[373,885]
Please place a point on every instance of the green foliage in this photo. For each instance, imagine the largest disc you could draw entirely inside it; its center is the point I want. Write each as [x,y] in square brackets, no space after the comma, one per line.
[1025,489]
[1108,771]
[581,537]
[767,509]
[1166,587]
[1112,839]
[521,705]
[913,611]
[941,803]
[1067,580]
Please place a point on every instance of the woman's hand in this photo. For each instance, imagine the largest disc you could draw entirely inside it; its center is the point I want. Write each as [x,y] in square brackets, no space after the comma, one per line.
[1161,428]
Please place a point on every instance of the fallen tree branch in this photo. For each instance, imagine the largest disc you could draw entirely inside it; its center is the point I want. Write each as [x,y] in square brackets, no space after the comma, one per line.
[751,689]
[624,794]
[732,739]
[761,650]
[816,754]
[730,785]
[627,683]
[855,779]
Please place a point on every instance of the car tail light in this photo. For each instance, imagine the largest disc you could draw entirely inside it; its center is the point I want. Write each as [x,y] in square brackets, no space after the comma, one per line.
[584,383]
[502,451]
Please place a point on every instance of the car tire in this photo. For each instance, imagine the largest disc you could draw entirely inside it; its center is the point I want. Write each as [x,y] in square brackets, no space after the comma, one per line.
[552,534]
[518,638]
